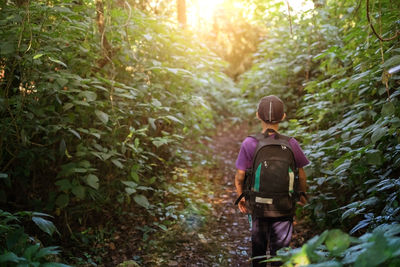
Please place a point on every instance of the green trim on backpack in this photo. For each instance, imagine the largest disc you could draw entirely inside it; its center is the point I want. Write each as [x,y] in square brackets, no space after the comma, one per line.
[257,179]
[291,182]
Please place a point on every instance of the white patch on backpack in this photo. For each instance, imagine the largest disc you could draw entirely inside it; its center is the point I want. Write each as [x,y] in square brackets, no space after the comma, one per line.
[283,147]
[264,200]
[265,164]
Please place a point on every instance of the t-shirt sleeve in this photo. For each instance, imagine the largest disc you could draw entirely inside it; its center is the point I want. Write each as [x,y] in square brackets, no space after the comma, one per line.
[246,153]
[301,159]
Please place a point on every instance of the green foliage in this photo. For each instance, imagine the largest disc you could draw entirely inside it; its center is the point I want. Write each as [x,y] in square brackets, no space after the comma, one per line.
[333,74]
[95,112]
[336,248]
[86,126]
[20,249]
[283,60]
[355,144]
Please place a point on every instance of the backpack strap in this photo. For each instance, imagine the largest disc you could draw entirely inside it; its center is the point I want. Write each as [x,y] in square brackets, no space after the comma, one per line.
[239,198]
[265,138]
[279,139]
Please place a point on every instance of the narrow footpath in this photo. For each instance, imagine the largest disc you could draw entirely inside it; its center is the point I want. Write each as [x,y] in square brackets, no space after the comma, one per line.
[228,231]
[219,237]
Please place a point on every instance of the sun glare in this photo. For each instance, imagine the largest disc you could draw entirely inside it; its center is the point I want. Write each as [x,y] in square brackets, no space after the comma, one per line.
[300,5]
[201,12]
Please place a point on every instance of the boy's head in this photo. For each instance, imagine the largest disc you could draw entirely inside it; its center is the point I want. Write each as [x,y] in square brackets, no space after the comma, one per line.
[271,109]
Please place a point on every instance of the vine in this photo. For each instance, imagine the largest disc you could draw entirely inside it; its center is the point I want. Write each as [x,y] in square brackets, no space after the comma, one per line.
[397,34]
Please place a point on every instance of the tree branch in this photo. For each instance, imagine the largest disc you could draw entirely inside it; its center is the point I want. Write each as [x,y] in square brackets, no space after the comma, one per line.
[397,34]
[106,47]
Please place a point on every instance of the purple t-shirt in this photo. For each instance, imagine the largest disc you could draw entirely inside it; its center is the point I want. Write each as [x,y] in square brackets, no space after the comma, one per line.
[248,148]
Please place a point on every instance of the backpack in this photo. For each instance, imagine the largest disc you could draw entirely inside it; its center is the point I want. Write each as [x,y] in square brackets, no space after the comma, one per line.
[272,183]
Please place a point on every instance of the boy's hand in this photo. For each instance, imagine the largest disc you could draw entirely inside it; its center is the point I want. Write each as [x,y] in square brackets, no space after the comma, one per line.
[302,201]
[242,206]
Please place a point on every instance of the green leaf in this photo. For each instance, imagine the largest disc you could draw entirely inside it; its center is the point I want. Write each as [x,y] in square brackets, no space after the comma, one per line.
[62,147]
[337,241]
[92,180]
[375,254]
[374,157]
[361,224]
[30,252]
[393,61]
[117,163]
[174,119]
[129,184]
[78,170]
[159,141]
[348,213]
[142,201]
[148,36]
[54,264]
[144,188]
[45,225]
[78,191]
[331,263]
[388,109]
[16,237]
[102,116]
[81,103]
[68,106]
[62,200]
[75,133]
[152,124]
[156,102]
[130,190]
[134,175]
[89,95]
[3,175]
[62,82]
[41,214]
[9,257]
[64,184]
[37,56]
[57,61]
[47,251]
[137,142]
[162,226]
[313,244]
[7,48]
[378,134]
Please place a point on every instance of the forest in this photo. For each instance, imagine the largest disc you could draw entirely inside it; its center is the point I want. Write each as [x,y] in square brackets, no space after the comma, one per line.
[121,121]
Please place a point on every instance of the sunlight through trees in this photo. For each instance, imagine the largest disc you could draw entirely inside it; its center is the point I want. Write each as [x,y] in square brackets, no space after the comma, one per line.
[120,120]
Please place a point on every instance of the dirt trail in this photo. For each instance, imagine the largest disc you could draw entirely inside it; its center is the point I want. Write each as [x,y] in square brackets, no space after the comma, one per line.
[230,231]
[232,225]
[224,237]
[224,240]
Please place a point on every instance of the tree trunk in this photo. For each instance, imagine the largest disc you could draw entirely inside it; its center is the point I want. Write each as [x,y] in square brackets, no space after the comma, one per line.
[181,7]
[106,48]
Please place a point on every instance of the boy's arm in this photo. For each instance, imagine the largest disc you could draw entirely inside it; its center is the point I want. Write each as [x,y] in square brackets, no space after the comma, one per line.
[239,181]
[302,185]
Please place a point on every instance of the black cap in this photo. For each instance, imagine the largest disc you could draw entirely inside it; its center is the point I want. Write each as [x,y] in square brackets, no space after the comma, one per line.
[271,109]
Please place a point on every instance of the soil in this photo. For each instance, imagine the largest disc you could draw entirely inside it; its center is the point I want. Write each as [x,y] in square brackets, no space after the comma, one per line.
[223,239]
[232,226]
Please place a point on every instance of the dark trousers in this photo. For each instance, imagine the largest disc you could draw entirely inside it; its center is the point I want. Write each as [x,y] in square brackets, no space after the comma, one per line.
[275,232]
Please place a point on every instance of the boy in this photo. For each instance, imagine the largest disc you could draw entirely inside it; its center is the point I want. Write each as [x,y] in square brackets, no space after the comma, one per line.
[275,231]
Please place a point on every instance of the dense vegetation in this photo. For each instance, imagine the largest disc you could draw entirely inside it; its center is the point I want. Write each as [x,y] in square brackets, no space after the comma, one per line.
[344,106]
[101,101]
[96,105]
